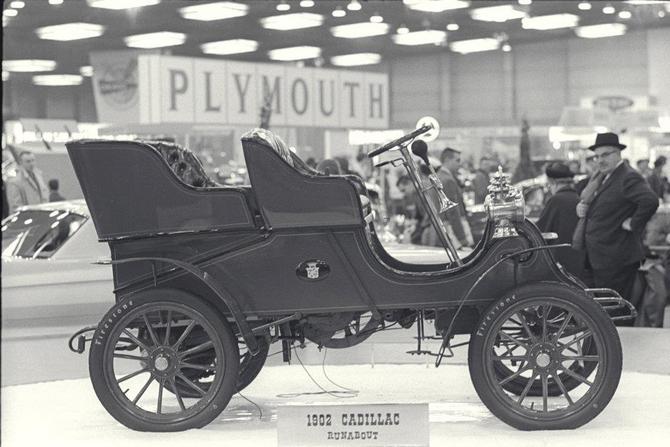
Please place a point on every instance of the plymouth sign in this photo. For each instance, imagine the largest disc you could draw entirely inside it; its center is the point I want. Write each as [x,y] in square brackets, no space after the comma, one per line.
[194,90]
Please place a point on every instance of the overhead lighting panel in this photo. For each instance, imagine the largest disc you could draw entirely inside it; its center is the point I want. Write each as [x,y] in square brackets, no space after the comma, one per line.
[435,5]
[294,53]
[355,59]
[474,45]
[602,30]
[121,4]
[499,14]
[214,11]
[86,71]
[28,65]
[57,79]
[5,75]
[298,20]
[232,46]
[70,31]
[425,37]
[362,29]
[548,22]
[155,40]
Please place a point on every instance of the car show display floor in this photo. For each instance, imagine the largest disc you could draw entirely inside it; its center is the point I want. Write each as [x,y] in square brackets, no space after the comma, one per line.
[67,412]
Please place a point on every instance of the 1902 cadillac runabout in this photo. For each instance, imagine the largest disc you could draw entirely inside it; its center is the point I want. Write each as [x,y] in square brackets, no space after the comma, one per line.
[208,277]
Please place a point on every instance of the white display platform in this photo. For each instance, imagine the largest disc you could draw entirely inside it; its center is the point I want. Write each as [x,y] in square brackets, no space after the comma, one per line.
[67,412]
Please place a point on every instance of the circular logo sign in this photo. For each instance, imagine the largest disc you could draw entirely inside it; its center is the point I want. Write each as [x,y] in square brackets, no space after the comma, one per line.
[118,83]
[312,270]
[432,134]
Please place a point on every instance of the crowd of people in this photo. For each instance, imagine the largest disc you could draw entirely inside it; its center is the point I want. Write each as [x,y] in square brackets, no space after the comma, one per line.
[603,217]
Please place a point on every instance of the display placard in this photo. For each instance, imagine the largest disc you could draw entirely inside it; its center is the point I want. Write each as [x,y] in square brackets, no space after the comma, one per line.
[353,425]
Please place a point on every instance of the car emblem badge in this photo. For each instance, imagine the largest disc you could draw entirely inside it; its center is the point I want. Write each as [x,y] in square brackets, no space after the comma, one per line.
[312,270]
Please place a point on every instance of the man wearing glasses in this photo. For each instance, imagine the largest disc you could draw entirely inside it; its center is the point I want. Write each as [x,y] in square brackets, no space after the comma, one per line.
[614,208]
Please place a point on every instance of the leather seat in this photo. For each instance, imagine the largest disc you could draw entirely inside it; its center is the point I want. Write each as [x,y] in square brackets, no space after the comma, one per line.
[269,139]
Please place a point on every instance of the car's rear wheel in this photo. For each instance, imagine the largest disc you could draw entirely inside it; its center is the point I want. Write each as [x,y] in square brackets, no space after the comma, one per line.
[135,359]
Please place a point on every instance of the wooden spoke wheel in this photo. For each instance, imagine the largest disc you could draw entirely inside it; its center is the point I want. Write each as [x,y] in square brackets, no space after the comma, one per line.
[139,352]
[567,332]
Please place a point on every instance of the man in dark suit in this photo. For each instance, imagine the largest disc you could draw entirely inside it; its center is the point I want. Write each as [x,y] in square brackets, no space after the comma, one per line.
[456,217]
[559,216]
[615,207]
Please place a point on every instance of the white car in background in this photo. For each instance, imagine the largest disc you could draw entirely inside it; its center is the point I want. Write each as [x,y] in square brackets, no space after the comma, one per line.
[48,275]
[48,271]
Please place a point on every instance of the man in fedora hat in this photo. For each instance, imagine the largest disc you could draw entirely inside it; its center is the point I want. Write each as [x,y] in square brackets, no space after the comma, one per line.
[614,208]
[559,215]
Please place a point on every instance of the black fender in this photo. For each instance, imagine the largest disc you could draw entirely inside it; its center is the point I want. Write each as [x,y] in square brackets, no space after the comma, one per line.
[215,287]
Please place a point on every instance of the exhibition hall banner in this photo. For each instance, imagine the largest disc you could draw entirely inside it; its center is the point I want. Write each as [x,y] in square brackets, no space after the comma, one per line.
[174,89]
[133,87]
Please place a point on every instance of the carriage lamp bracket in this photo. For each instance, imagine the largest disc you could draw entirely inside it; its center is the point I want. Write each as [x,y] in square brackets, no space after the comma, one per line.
[81,339]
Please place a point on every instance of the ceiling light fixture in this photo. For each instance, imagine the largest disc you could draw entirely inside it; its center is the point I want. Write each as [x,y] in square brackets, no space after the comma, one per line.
[645,2]
[28,65]
[232,46]
[355,59]
[55,2]
[376,18]
[5,75]
[549,22]
[86,71]
[358,30]
[435,5]
[402,29]
[661,14]
[498,14]
[17,4]
[10,13]
[160,39]
[609,9]
[425,37]
[339,12]
[584,6]
[119,4]
[625,14]
[283,6]
[354,5]
[298,20]
[57,80]
[507,47]
[294,53]
[214,11]
[475,45]
[602,30]
[453,27]
[523,3]
[306,3]
[70,31]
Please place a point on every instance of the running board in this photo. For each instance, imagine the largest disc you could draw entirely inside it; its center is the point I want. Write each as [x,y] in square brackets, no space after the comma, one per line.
[614,304]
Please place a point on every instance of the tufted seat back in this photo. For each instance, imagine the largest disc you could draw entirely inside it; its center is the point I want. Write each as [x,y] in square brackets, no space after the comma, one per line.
[184,164]
[269,139]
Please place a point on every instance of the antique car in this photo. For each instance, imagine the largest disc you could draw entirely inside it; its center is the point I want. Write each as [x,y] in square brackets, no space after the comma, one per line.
[207,277]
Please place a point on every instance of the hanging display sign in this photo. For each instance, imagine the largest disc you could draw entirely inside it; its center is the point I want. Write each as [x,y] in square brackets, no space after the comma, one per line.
[175,89]
[353,425]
